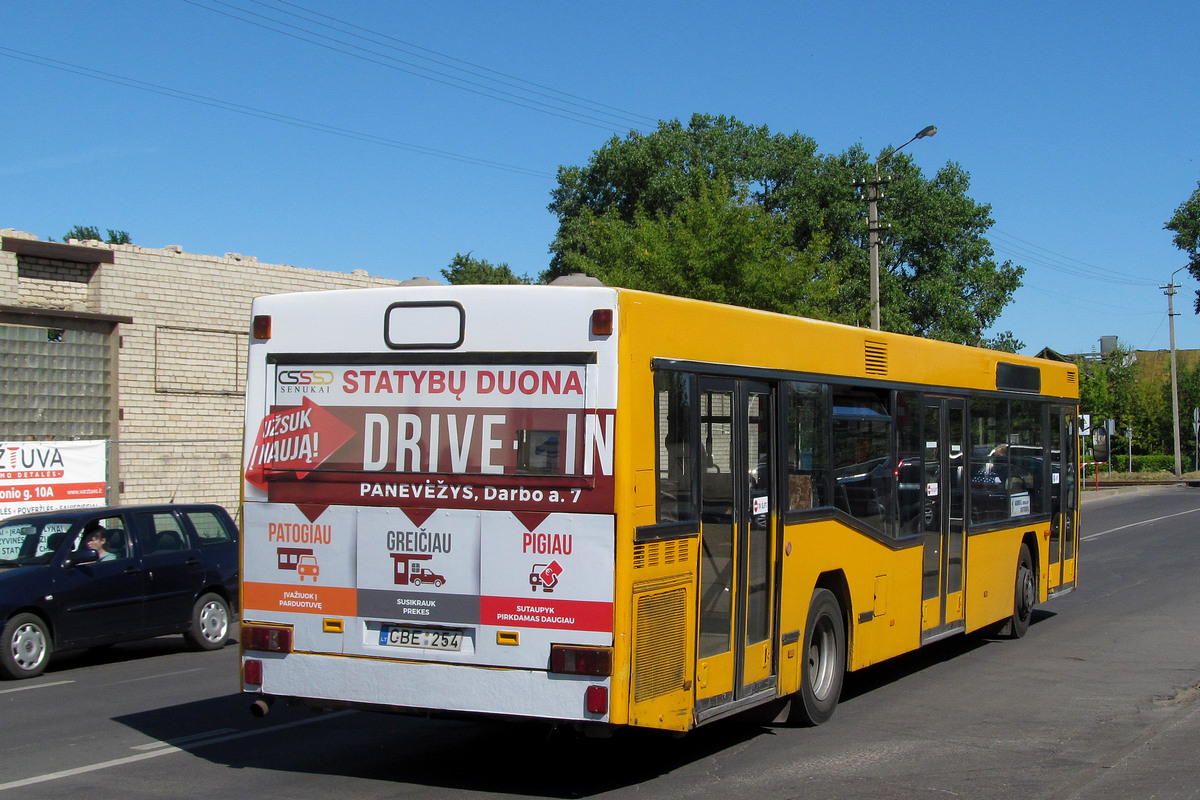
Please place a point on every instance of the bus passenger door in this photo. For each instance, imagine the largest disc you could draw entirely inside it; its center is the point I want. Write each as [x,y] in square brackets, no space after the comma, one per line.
[735,656]
[1064,532]
[944,518]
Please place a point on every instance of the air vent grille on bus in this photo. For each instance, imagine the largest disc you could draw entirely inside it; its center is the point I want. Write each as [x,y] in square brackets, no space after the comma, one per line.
[661,553]
[876,358]
[1072,376]
[660,653]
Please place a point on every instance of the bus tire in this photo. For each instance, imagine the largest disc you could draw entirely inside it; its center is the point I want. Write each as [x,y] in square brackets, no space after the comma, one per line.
[1024,595]
[823,661]
[26,647]
[210,623]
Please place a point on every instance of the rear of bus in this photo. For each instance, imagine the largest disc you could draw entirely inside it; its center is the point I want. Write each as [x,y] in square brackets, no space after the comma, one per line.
[428,500]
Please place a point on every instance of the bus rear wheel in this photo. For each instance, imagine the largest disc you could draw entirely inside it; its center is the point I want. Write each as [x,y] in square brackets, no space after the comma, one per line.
[823,661]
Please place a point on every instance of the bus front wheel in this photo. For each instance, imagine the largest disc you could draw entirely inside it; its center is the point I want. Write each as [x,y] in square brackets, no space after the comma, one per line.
[1025,595]
[823,661]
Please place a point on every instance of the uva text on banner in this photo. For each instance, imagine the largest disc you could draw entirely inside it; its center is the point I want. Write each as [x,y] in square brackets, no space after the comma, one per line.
[50,475]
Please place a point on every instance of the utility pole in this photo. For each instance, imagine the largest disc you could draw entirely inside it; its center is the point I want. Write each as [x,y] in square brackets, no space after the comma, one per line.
[874,195]
[874,192]
[1170,291]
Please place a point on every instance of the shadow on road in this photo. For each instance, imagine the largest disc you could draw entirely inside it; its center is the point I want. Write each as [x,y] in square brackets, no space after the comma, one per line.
[509,758]
[892,670]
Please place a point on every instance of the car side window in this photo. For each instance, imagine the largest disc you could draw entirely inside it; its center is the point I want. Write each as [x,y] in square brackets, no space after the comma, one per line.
[105,535]
[52,536]
[160,533]
[208,527]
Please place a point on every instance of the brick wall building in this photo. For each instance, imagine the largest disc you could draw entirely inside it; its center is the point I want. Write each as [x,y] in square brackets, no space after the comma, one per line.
[144,348]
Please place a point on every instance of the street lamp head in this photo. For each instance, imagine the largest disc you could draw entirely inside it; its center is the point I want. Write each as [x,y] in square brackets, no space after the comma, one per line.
[873,222]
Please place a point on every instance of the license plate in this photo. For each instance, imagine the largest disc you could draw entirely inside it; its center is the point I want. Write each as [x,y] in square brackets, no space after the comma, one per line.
[423,638]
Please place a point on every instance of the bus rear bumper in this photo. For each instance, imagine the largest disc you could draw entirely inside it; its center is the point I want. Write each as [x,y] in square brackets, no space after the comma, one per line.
[426,687]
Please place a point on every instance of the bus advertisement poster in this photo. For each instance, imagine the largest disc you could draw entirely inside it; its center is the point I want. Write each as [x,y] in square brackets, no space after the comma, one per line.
[426,568]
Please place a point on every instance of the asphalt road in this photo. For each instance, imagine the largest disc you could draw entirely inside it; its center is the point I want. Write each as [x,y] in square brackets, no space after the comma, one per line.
[1097,701]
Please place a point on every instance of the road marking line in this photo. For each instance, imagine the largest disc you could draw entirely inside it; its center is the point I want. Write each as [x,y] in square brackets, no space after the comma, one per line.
[35,686]
[156,676]
[184,739]
[1136,524]
[167,749]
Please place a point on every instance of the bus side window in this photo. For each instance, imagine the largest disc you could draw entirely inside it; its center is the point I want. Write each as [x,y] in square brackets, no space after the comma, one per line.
[807,460]
[910,466]
[990,472]
[673,433]
[862,438]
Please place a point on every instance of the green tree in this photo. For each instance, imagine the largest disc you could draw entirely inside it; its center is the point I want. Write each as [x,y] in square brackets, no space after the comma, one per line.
[1106,384]
[1186,225]
[1188,379]
[937,276]
[88,232]
[464,269]
[1004,342]
[83,233]
[1109,389]
[716,246]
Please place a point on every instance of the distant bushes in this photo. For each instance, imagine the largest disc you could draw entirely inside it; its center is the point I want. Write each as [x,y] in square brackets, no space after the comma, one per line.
[1152,463]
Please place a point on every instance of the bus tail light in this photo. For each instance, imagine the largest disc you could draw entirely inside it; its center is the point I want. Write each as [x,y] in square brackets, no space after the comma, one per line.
[597,699]
[262,326]
[267,640]
[252,672]
[602,322]
[571,660]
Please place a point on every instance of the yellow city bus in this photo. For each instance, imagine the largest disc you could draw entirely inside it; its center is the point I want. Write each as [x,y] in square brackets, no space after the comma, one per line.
[600,507]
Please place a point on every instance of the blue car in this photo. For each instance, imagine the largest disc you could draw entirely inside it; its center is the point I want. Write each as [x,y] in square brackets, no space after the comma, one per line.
[98,576]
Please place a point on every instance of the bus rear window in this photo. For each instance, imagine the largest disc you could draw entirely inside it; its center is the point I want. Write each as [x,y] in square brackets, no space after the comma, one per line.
[537,453]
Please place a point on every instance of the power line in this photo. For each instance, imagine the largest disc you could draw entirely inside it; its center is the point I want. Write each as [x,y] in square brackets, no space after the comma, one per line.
[1084,302]
[1036,254]
[391,62]
[442,59]
[250,111]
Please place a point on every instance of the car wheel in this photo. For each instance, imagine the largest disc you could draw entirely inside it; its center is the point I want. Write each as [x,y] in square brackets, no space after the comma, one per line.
[416,581]
[26,647]
[438,582]
[210,623]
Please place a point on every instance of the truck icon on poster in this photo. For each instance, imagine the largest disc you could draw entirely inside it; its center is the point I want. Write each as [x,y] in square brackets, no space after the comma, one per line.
[289,557]
[407,570]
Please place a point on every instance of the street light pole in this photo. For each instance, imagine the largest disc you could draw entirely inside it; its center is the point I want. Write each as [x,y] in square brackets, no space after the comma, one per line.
[874,194]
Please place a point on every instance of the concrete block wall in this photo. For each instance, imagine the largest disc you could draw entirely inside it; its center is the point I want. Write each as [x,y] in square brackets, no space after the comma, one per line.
[182,361]
[42,287]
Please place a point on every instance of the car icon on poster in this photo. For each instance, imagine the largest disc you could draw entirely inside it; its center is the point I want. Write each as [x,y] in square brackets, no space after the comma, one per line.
[307,566]
[423,575]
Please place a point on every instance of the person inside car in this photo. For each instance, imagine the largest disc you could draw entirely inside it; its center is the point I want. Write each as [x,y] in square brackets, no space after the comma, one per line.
[96,537]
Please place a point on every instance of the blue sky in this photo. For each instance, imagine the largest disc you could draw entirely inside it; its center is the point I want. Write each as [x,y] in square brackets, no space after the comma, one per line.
[261,127]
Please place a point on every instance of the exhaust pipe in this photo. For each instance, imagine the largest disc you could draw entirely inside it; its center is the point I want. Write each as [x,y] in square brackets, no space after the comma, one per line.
[261,706]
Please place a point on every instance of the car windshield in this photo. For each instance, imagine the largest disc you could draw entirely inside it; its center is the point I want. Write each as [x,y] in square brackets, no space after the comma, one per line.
[25,542]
